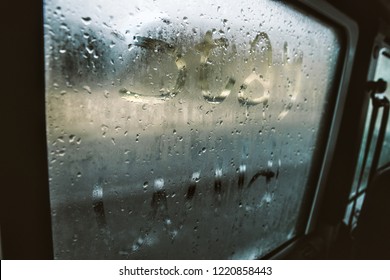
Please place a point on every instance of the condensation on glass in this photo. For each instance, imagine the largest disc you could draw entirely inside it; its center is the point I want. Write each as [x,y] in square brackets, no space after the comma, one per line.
[182,130]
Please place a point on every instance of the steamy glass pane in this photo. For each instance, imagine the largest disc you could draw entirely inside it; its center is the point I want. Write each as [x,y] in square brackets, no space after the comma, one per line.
[182,130]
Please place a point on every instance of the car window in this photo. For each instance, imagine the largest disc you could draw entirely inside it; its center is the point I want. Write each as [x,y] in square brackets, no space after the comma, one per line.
[182,129]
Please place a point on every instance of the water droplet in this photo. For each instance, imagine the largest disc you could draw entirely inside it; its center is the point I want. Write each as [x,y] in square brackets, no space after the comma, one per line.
[61,152]
[78,174]
[86,20]
[218,172]
[97,195]
[72,138]
[62,51]
[159,184]
[137,244]
[106,93]
[87,89]
[90,49]
[196,176]
[267,198]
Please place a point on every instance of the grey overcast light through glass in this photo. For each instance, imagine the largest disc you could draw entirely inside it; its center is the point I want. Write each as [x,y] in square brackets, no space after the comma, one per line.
[181,129]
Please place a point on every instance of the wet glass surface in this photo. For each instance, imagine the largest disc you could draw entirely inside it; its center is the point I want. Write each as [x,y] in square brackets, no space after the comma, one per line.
[181,130]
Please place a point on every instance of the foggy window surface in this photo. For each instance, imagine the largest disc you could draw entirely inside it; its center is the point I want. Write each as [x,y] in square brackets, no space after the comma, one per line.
[182,129]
